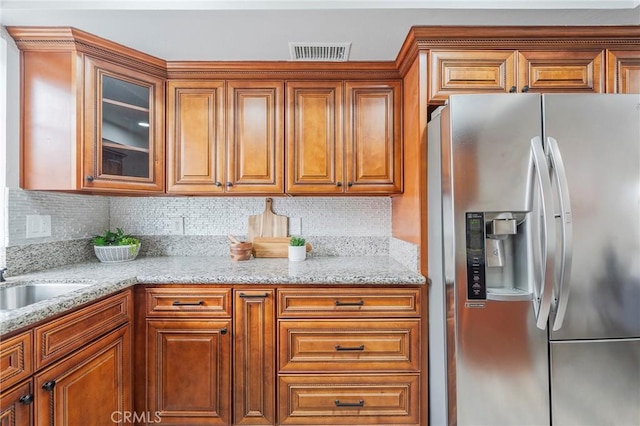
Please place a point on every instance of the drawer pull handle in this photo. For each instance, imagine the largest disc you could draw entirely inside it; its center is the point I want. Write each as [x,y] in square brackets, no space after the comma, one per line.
[359,303]
[179,303]
[349,404]
[347,348]
[253,296]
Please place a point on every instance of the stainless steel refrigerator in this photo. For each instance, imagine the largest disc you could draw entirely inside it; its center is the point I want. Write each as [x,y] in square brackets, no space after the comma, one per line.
[534,260]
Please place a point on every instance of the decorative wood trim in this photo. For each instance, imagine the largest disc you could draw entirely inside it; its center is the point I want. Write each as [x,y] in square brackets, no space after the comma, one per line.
[281,70]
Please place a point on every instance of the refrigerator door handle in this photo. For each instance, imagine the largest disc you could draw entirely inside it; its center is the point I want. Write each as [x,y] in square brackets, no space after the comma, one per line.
[566,232]
[548,232]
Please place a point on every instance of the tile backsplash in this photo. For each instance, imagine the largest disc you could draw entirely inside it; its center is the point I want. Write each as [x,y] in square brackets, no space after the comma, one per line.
[336,226]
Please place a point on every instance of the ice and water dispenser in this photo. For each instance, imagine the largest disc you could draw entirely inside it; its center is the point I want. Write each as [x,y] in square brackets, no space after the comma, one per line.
[498,256]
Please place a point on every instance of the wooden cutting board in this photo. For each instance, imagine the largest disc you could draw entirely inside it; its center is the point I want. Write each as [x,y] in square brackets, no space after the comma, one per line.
[272,247]
[267,224]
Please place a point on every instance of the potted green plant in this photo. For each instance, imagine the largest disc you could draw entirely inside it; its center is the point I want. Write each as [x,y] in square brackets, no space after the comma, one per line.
[297,249]
[114,247]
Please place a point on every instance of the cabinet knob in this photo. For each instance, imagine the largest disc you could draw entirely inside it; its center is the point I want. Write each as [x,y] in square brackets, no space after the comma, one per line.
[224,331]
[339,184]
[48,386]
[90,178]
[349,184]
[26,399]
[525,89]
[229,183]
[513,89]
[218,184]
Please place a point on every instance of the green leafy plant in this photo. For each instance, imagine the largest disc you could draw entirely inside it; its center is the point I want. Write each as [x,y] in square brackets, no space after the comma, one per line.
[118,238]
[297,241]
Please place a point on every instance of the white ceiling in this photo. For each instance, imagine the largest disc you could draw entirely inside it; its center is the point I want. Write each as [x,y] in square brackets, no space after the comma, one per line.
[261,29]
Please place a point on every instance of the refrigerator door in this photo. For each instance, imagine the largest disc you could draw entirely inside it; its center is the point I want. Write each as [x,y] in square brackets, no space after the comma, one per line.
[595,383]
[599,138]
[497,357]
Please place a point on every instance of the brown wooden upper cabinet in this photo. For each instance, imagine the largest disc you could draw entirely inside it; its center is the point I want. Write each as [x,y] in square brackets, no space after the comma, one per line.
[496,71]
[92,114]
[344,137]
[623,70]
[124,128]
[225,137]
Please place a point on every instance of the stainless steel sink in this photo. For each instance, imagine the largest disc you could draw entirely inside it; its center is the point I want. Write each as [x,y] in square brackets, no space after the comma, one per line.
[19,296]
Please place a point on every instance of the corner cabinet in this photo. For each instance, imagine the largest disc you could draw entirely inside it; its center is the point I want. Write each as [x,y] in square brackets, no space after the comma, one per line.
[344,137]
[92,114]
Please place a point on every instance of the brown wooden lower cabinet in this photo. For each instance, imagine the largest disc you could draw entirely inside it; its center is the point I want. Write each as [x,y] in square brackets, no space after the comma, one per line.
[16,405]
[376,399]
[189,371]
[90,387]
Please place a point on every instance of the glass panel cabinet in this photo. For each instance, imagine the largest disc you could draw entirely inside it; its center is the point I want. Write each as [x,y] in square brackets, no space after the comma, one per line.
[124,132]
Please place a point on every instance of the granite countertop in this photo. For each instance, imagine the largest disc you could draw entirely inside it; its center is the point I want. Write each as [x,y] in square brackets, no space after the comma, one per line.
[104,278]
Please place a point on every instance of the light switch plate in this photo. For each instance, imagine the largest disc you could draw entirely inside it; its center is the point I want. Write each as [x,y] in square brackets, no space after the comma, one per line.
[38,226]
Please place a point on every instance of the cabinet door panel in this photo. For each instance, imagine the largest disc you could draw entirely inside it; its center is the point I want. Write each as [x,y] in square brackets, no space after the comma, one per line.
[14,410]
[623,71]
[189,371]
[89,386]
[373,137]
[254,357]
[124,128]
[470,71]
[314,137]
[562,71]
[16,360]
[195,137]
[255,139]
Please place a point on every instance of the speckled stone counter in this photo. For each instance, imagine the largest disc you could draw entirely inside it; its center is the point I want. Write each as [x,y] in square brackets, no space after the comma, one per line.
[103,279]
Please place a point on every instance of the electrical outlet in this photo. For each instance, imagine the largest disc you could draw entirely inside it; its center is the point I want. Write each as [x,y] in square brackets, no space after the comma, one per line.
[295,226]
[177,226]
[38,226]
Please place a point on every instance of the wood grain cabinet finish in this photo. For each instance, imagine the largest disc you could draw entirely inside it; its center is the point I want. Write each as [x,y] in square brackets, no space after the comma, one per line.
[195,137]
[376,399]
[561,71]
[470,71]
[188,302]
[373,137]
[65,112]
[57,338]
[315,142]
[254,357]
[503,71]
[623,71]
[16,359]
[349,356]
[124,128]
[92,386]
[16,405]
[255,137]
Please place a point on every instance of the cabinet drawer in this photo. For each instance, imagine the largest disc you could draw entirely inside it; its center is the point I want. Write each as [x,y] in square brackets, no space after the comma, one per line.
[347,303]
[16,361]
[346,400]
[366,345]
[177,302]
[62,336]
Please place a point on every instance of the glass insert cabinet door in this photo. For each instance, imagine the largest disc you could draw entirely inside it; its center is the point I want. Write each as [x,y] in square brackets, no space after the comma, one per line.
[124,138]
[125,128]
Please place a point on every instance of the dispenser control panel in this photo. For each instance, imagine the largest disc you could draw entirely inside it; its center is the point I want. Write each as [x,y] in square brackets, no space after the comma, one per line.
[476,281]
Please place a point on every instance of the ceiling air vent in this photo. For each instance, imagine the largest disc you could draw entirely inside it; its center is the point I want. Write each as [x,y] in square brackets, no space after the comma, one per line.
[337,52]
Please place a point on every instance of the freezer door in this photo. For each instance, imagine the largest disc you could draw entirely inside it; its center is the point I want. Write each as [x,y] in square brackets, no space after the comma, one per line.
[599,138]
[595,383]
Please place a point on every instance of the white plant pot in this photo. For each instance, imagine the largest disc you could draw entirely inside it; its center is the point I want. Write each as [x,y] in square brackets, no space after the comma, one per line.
[297,253]
[116,254]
